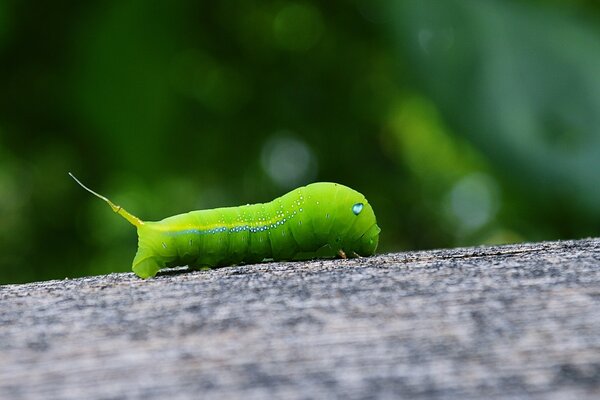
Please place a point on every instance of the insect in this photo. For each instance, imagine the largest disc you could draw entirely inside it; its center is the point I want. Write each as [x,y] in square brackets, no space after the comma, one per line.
[320,220]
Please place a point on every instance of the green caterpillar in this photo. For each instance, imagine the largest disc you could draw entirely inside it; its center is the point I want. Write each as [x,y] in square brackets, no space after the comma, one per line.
[321,220]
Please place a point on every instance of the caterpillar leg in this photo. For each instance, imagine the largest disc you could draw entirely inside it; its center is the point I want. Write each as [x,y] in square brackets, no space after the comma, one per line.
[201,267]
[146,268]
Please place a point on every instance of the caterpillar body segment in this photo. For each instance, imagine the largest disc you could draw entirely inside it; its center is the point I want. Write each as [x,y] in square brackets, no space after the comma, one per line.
[320,220]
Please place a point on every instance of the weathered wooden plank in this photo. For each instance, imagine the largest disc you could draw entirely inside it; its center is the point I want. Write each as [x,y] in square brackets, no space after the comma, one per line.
[497,322]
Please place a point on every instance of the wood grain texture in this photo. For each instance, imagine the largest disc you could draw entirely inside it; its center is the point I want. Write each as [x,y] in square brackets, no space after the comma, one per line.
[508,322]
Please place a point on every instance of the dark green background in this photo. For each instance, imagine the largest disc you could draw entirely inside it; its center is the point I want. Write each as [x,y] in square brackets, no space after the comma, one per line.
[463,122]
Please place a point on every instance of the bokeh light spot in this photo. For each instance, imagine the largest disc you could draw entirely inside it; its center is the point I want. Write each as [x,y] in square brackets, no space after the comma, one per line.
[288,160]
[436,40]
[474,200]
[375,11]
[298,27]
[217,86]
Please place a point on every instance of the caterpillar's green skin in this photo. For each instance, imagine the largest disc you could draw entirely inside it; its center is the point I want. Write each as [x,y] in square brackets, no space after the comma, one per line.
[321,220]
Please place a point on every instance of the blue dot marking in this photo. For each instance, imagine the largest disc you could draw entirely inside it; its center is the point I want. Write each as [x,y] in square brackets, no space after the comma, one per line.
[357,208]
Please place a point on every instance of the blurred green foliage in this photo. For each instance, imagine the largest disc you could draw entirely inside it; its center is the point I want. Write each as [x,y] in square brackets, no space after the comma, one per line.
[463,122]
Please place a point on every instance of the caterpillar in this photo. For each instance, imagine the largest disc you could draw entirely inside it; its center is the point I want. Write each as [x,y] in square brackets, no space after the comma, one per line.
[320,220]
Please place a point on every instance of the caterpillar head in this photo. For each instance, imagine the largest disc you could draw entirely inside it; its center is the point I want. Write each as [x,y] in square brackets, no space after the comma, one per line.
[365,227]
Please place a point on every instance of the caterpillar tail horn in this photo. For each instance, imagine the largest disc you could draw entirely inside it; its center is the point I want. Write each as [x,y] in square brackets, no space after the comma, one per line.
[133,220]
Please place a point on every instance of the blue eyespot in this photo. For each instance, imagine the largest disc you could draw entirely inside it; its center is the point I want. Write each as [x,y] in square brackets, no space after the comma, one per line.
[357,208]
